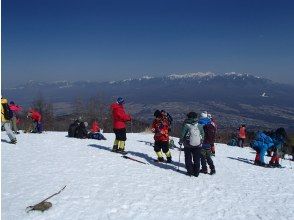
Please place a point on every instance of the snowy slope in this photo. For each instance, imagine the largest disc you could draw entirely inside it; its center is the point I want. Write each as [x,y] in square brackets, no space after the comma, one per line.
[102,185]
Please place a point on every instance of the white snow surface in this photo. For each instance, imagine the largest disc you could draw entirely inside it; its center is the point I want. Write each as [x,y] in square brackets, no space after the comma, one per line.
[103,185]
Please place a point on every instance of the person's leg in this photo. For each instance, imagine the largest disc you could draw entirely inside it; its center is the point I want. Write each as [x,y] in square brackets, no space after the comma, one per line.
[9,131]
[188,160]
[210,162]
[157,149]
[13,123]
[196,160]
[165,149]
[203,161]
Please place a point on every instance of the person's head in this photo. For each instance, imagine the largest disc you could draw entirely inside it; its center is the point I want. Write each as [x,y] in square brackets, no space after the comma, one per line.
[192,115]
[120,100]
[281,132]
[157,114]
[11,102]
[243,125]
[204,114]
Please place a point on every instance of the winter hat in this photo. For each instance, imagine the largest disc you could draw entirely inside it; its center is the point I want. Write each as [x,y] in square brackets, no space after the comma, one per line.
[204,114]
[120,100]
[192,115]
[157,113]
[209,116]
[11,103]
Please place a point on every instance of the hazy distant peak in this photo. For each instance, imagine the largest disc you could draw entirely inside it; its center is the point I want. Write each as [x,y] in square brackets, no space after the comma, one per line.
[191,75]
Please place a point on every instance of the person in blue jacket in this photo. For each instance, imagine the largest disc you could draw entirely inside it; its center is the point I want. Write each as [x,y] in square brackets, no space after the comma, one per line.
[263,142]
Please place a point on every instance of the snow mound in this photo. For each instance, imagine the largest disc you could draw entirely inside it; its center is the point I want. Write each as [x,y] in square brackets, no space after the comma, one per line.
[103,185]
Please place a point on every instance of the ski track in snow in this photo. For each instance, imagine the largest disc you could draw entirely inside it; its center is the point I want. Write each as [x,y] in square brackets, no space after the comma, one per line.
[103,185]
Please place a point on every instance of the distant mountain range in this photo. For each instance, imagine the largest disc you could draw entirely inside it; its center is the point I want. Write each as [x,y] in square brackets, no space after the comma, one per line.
[233,98]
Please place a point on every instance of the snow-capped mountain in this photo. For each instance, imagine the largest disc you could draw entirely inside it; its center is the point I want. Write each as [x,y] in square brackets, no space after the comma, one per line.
[234,94]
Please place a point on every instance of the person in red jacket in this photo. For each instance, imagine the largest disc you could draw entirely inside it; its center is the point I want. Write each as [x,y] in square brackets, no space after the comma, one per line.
[15,109]
[120,117]
[160,128]
[36,118]
[95,132]
[242,135]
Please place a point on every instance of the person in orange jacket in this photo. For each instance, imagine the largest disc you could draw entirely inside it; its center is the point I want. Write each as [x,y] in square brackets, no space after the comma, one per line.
[160,128]
[242,135]
[120,117]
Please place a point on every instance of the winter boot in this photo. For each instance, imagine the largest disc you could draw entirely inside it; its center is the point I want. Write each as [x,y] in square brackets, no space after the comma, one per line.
[160,159]
[203,171]
[212,172]
[13,141]
[169,159]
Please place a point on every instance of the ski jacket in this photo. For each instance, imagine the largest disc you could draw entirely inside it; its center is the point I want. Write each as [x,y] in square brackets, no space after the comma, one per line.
[204,121]
[119,116]
[261,144]
[95,127]
[3,101]
[242,132]
[15,108]
[160,128]
[209,135]
[185,136]
[35,115]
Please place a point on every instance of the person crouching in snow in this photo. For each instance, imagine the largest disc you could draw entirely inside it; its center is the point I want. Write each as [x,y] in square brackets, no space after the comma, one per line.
[262,143]
[15,109]
[192,136]
[36,119]
[120,118]
[160,128]
[279,138]
[95,132]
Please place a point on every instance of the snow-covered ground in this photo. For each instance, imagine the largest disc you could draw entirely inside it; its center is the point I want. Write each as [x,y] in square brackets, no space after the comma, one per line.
[103,185]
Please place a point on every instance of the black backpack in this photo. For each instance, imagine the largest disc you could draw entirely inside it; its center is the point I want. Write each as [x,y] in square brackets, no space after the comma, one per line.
[8,114]
[72,130]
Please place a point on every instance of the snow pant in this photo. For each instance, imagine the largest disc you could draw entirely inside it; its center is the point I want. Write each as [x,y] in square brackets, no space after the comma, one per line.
[275,158]
[192,160]
[241,142]
[13,124]
[120,138]
[162,146]
[97,136]
[37,127]
[120,134]
[206,157]
[8,130]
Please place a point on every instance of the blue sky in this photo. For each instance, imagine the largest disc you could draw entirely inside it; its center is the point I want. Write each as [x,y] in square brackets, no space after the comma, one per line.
[50,40]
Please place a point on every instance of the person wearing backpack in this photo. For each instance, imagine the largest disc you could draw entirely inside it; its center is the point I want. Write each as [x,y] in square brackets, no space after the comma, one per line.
[160,128]
[15,109]
[192,134]
[120,117]
[6,115]
[72,130]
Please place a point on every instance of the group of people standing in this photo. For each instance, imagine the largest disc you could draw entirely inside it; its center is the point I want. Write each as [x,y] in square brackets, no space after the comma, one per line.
[197,136]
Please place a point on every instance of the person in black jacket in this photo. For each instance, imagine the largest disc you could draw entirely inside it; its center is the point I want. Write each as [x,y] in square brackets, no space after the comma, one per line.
[208,142]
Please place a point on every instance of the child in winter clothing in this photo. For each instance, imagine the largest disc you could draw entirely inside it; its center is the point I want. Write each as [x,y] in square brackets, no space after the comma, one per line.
[120,118]
[95,132]
[242,135]
[5,120]
[15,109]
[36,119]
[160,128]
[192,153]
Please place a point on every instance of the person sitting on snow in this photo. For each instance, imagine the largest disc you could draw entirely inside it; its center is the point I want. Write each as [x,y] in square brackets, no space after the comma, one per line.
[160,128]
[36,119]
[95,132]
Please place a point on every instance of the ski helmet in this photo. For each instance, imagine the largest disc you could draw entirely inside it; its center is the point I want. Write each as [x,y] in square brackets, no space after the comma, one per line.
[120,100]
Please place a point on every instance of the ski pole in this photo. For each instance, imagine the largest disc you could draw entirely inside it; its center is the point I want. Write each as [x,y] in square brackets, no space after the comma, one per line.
[180,157]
